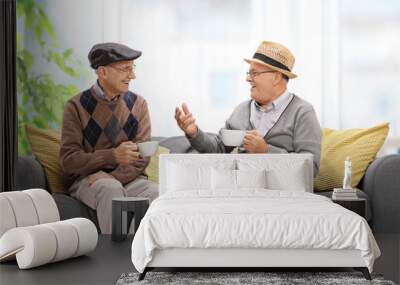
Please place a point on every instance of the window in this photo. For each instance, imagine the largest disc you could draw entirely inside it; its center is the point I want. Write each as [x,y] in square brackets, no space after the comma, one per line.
[370,64]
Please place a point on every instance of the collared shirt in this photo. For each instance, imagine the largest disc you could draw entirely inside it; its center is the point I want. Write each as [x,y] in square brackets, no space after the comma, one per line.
[100,93]
[264,119]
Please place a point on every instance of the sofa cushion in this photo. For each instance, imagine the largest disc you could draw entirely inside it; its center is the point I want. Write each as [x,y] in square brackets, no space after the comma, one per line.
[361,145]
[152,168]
[45,144]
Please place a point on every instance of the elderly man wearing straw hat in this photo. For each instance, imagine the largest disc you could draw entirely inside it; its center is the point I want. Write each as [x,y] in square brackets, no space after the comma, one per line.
[276,120]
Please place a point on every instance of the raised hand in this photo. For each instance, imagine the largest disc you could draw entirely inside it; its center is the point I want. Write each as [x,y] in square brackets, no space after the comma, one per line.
[185,121]
[126,153]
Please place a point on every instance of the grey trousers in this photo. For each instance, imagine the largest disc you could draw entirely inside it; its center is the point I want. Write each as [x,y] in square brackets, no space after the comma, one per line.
[99,195]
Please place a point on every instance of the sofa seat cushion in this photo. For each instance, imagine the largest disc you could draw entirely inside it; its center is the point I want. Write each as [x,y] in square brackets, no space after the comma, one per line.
[70,207]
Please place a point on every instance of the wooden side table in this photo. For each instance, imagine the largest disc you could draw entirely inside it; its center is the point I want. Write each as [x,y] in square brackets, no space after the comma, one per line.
[358,205]
[127,207]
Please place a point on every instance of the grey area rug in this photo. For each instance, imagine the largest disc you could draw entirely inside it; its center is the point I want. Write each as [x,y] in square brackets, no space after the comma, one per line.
[229,278]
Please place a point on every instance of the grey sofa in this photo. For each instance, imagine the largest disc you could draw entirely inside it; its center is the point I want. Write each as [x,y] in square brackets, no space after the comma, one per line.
[380,185]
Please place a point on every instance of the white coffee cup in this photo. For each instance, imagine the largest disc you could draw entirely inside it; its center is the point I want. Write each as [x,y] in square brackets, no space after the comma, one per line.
[147,148]
[232,137]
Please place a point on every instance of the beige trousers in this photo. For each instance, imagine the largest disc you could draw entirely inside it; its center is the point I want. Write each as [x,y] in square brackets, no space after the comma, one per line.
[99,195]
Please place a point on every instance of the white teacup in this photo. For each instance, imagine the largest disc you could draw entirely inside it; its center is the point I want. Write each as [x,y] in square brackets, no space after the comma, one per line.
[147,148]
[232,137]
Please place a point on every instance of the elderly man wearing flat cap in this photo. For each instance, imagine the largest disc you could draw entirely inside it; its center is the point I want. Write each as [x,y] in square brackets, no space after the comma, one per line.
[101,128]
[276,120]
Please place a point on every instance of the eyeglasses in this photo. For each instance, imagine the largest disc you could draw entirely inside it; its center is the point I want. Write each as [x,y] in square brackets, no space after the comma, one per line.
[126,70]
[253,73]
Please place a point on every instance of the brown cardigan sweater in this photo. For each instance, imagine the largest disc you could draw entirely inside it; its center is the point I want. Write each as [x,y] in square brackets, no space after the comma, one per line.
[93,127]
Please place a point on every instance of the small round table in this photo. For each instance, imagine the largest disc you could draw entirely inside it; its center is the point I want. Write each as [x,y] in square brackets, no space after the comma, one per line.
[127,207]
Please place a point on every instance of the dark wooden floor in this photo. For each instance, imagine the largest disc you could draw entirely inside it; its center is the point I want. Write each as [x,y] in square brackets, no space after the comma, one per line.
[110,260]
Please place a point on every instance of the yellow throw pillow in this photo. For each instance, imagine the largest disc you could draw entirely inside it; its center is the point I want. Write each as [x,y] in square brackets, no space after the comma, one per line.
[45,144]
[152,168]
[361,145]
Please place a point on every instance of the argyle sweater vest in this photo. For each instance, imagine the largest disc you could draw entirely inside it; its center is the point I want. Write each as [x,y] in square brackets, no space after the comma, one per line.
[93,127]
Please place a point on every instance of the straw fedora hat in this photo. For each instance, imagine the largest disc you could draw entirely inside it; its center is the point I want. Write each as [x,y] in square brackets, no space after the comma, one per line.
[275,56]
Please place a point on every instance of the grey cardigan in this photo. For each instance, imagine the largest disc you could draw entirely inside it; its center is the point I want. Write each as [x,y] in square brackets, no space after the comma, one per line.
[297,130]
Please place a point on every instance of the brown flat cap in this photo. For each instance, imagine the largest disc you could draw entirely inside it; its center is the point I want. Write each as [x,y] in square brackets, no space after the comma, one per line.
[105,53]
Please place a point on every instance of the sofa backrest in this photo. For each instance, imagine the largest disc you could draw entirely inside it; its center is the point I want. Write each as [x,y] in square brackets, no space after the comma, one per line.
[288,171]
[29,174]
[177,144]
